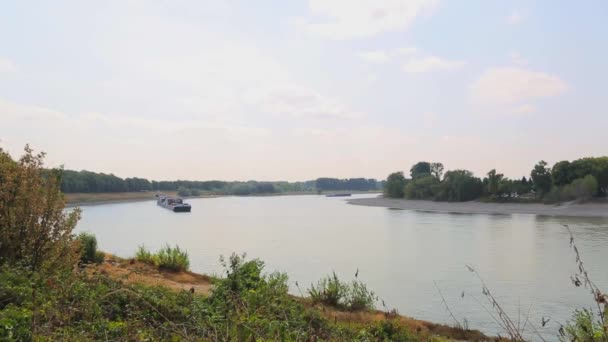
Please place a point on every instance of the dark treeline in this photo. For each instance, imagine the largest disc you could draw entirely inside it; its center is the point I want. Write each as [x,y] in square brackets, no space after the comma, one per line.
[92,182]
[360,184]
[581,179]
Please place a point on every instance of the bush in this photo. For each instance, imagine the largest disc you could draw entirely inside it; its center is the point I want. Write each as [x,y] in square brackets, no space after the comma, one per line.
[168,258]
[580,189]
[173,259]
[359,297]
[195,192]
[36,230]
[329,291]
[88,249]
[584,328]
[333,292]
[144,255]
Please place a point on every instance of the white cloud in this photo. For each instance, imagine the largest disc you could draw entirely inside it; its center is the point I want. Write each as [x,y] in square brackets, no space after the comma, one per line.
[15,111]
[514,85]
[517,59]
[346,19]
[300,102]
[515,17]
[524,109]
[377,56]
[7,66]
[430,64]
[410,50]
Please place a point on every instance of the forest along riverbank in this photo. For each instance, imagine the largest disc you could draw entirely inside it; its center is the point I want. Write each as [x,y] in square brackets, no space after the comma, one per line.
[589,209]
[80,199]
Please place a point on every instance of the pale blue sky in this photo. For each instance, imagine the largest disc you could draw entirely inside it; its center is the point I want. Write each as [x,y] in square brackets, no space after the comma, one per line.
[300,89]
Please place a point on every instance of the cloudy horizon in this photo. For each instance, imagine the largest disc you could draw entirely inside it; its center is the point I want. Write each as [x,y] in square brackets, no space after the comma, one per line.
[302,89]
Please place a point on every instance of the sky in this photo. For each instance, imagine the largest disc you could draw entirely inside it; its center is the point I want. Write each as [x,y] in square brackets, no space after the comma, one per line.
[295,90]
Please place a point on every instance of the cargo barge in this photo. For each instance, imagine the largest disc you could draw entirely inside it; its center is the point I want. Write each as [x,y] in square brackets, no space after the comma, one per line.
[174,204]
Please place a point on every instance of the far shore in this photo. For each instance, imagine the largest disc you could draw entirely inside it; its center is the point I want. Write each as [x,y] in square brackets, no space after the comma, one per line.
[83,199]
[589,209]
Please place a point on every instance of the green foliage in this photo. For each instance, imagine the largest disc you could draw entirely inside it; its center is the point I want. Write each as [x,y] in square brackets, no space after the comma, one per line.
[195,192]
[395,185]
[387,330]
[333,292]
[584,327]
[183,191]
[358,297]
[88,248]
[144,255]
[580,189]
[459,185]
[168,258]
[172,258]
[423,187]
[34,228]
[541,176]
[358,184]
[420,169]
[329,291]
[494,180]
[252,188]
[15,323]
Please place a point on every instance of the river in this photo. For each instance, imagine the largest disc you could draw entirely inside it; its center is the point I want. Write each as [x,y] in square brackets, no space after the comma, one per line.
[525,260]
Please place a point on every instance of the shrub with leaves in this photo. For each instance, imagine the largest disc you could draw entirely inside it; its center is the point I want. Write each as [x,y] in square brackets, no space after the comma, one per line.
[172,258]
[329,291]
[34,228]
[168,258]
[333,292]
[584,327]
[88,248]
[144,255]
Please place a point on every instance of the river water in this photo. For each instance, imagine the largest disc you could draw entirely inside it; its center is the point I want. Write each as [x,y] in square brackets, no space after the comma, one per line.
[525,260]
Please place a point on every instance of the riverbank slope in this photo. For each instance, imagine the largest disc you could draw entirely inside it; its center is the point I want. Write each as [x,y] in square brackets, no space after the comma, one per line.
[589,209]
[132,272]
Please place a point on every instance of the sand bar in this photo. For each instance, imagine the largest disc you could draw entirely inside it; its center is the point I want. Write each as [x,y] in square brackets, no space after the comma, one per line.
[591,209]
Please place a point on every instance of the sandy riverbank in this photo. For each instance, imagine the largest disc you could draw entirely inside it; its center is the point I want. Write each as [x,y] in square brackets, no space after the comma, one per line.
[594,209]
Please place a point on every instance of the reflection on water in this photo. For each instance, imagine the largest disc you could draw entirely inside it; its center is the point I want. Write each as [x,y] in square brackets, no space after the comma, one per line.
[524,259]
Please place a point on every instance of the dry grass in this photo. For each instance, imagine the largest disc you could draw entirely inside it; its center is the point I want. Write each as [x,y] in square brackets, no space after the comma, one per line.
[420,328]
[134,272]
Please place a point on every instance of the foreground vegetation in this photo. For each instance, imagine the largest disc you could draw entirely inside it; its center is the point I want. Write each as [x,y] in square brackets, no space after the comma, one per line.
[47,292]
[581,179]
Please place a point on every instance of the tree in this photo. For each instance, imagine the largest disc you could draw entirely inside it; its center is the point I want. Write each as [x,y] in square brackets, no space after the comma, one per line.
[35,230]
[183,191]
[422,188]
[541,176]
[437,170]
[494,182]
[420,169]
[562,173]
[395,185]
[460,185]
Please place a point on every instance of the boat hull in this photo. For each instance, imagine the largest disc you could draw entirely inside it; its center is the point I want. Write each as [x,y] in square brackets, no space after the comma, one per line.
[181,209]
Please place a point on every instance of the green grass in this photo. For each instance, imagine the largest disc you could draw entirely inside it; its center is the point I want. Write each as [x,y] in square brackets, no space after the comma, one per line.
[167,258]
[246,305]
[354,296]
